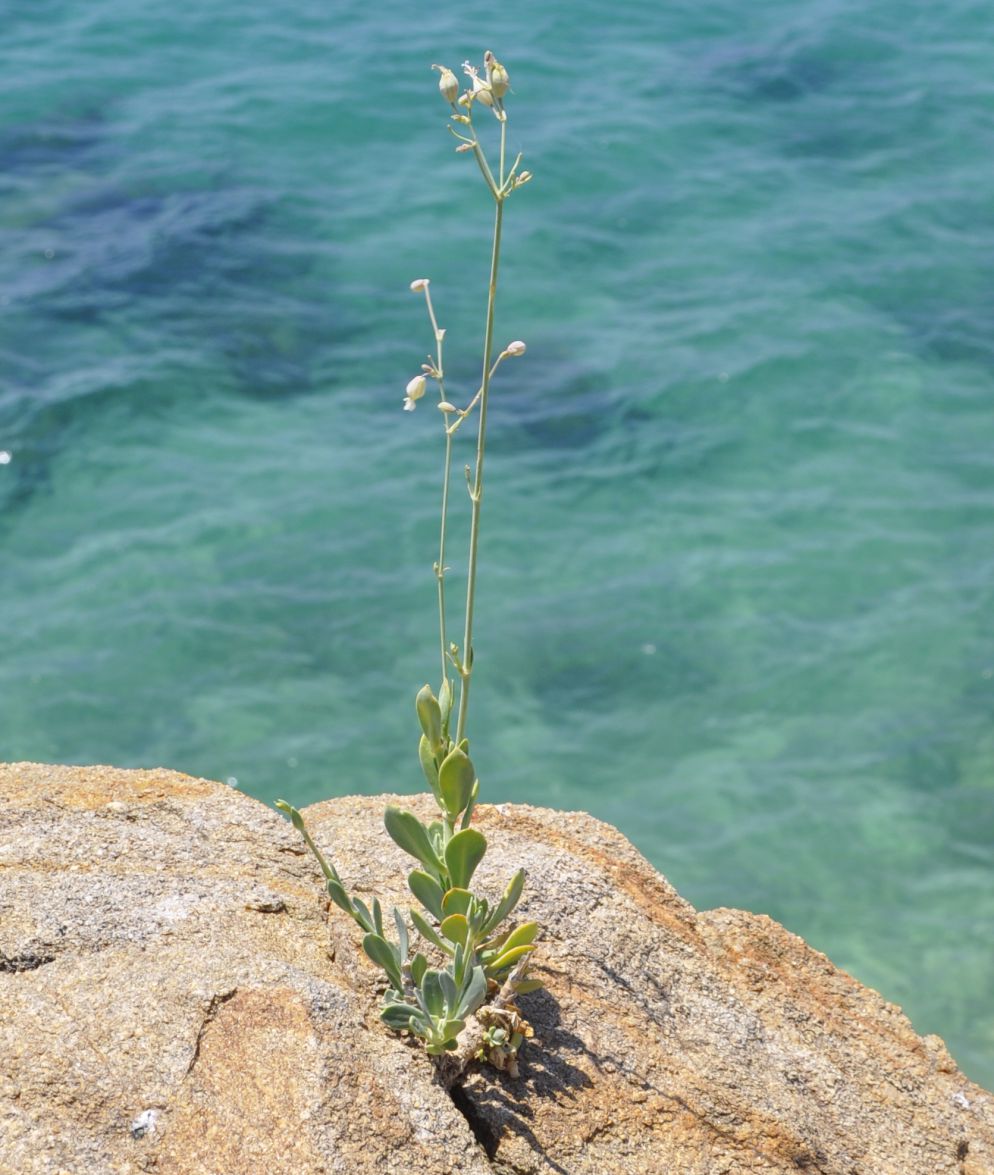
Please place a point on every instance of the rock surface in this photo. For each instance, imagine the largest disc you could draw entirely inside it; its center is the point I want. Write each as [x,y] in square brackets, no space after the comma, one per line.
[177,998]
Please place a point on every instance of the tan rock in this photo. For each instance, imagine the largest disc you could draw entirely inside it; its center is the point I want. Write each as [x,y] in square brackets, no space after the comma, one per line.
[176,998]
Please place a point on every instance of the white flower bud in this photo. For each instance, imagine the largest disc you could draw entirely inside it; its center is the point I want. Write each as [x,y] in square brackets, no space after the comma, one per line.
[445,406]
[522,179]
[419,283]
[448,83]
[415,390]
[496,75]
[515,348]
[465,147]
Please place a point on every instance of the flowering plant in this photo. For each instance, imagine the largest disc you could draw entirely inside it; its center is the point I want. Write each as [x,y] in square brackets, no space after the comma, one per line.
[454,989]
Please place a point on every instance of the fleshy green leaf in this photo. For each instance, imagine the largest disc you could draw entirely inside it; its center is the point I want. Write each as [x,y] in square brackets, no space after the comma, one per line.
[455,928]
[430,716]
[402,939]
[456,777]
[428,892]
[506,958]
[419,965]
[407,831]
[378,917]
[429,768]
[525,933]
[427,933]
[338,895]
[512,895]
[449,991]
[524,986]
[474,994]
[445,700]
[452,1028]
[433,994]
[467,816]
[363,916]
[382,954]
[456,901]
[462,855]
[399,1017]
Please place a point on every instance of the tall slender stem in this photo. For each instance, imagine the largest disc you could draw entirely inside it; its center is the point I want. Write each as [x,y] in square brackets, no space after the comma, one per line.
[440,565]
[476,492]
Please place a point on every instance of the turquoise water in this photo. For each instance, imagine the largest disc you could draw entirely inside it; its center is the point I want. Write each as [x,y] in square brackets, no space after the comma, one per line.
[738,540]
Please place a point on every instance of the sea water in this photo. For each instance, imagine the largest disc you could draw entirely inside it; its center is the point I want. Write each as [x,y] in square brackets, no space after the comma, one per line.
[738,530]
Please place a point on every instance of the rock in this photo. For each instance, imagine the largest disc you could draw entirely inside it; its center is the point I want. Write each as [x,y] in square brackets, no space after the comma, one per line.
[178,998]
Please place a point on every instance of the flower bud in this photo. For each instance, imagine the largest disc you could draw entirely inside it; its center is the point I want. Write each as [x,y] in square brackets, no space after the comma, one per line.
[496,75]
[448,83]
[445,406]
[465,147]
[515,348]
[522,179]
[415,390]
[419,283]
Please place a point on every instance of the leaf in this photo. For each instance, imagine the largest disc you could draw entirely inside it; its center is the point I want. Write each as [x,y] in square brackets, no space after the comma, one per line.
[382,954]
[407,831]
[429,715]
[445,700]
[378,917]
[433,994]
[462,855]
[524,986]
[429,768]
[456,901]
[338,895]
[419,965]
[512,895]
[452,1028]
[467,816]
[427,933]
[523,934]
[363,916]
[403,940]
[449,991]
[295,817]
[428,892]
[508,957]
[474,994]
[399,1017]
[455,928]
[456,777]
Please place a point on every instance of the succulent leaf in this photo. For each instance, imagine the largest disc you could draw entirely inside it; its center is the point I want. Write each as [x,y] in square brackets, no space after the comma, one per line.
[455,928]
[382,954]
[521,935]
[407,831]
[456,777]
[456,901]
[462,855]
[428,767]
[449,991]
[430,716]
[378,917]
[428,892]
[433,994]
[428,933]
[338,895]
[363,916]
[524,986]
[402,937]
[467,816]
[419,965]
[474,994]
[512,895]
[506,958]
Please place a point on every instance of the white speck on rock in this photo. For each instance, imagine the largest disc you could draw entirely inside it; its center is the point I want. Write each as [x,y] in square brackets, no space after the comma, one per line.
[145,1123]
[960,1099]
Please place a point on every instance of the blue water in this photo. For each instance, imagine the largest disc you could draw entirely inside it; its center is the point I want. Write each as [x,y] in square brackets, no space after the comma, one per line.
[738,538]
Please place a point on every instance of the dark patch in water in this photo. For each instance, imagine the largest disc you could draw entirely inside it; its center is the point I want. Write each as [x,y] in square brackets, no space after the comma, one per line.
[556,405]
[52,145]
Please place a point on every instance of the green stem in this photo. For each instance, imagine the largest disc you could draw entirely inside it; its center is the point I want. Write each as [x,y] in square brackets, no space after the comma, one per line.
[476,492]
[440,565]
